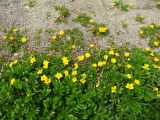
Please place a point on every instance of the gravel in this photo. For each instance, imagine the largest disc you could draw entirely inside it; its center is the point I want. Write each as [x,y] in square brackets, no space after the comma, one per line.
[16,13]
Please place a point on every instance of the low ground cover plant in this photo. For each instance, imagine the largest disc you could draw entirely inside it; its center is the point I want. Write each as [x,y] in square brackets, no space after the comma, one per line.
[119,4]
[31,3]
[158,4]
[153,33]
[74,80]
[117,83]
[139,19]
[14,39]
[63,11]
[65,41]
[98,29]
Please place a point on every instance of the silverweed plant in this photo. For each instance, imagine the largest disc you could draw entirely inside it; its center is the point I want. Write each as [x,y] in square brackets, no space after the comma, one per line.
[14,39]
[153,33]
[31,3]
[116,83]
[64,13]
[74,80]
[87,21]
[139,19]
[119,4]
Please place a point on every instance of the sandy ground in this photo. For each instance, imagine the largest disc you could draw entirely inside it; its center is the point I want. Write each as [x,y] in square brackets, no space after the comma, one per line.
[16,13]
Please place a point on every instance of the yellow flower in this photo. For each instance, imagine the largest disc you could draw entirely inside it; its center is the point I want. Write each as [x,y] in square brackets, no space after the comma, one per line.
[129,66]
[104,62]
[12,81]
[32,60]
[75,66]
[73,46]
[113,60]
[91,21]
[141,32]
[136,81]
[74,79]
[65,60]
[39,71]
[155,66]
[145,66]
[127,54]
[82,80]
[113,89]
[111,52]
[45,64]
[43,78]
[117,54]
[47,81]
[152,54]
[131,4]
[54,37]
[81,58]
[11,37]
[103,29]
[58,75]
[151,26]
[87,55]
[155,89]
[94,65]
[156,43]
[84,75]
[129,59]
[100,64]
[15,30]
[11,64]
[61,32]
[74,72]
[129,86]
[129,76]
[15,61]
[156,59]
[91,45]
[66,72]
[148,49]
[113,4]
[158,94]
[105,57]
[23,39]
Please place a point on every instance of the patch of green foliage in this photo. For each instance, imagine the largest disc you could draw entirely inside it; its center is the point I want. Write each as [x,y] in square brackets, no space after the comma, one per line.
[139,19]
[31,3]
[49,30]
[14,39]
[63,11]
[121,5]
[158,4]
[83,19]
[78,83]
[153,33]
[63,43]
[87,21]
[124,24]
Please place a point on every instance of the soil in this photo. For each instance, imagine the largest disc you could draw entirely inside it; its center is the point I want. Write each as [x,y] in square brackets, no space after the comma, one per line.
[17,13]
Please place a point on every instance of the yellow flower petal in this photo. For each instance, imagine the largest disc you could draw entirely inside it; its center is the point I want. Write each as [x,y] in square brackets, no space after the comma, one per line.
[23,39]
